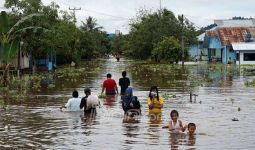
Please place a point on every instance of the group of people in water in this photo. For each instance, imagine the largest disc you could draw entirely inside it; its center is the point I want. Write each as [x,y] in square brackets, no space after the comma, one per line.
[130,103]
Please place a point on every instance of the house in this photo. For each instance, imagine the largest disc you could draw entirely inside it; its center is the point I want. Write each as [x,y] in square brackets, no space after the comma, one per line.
[197,51]
[45,63]
[219,40]
[25,62]
[22,61]
[245,52]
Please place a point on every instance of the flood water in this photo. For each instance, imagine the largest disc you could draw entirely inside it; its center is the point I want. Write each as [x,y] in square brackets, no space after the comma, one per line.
[37,123]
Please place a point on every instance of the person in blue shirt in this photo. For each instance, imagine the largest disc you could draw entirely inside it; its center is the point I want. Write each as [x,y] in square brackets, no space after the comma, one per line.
[130,103]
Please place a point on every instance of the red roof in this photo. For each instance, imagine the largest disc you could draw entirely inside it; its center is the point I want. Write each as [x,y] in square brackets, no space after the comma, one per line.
[232,35]
[212,33]
[229,35]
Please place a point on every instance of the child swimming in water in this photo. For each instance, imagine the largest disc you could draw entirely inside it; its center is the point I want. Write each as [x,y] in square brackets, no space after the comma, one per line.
[175,125]
[191,128]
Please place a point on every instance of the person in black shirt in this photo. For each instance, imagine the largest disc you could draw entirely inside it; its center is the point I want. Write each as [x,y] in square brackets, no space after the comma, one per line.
[85,104]
[124,82]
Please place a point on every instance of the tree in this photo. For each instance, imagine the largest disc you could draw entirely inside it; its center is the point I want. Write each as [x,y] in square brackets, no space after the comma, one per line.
[149,28]
[167,50]
[24,6]
[91,25]
[60,34]
[94,41]
[10,39]
[119,44]
[203,29]
[35,42]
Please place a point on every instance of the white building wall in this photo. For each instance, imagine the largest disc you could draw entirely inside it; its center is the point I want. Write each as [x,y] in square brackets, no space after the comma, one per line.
[24,62]
[242,58]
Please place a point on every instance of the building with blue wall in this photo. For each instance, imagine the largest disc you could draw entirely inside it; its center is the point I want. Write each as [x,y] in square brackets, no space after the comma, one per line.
[197,51]
[45,63]
[219,40]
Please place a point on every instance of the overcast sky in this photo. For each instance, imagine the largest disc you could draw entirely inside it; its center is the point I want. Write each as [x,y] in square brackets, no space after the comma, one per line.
[115,14]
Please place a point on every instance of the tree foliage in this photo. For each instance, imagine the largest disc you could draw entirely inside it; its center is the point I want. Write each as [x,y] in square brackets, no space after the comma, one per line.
[169,49]
[120,45]
[10,41]
[91,25]
[149,28]
[59,35]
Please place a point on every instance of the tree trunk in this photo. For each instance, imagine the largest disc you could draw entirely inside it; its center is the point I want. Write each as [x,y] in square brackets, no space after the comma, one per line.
[34,66]
[6,75]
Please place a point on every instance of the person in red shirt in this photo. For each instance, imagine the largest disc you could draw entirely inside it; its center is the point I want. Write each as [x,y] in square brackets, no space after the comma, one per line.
[109,86]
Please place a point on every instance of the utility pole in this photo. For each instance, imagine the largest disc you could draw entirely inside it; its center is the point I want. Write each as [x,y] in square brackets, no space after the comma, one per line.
[74,9]
[182,36]
[160,5]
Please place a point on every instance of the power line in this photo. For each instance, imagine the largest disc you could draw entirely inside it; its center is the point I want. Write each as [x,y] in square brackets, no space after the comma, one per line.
[64,3]
[97,12]
[106,14]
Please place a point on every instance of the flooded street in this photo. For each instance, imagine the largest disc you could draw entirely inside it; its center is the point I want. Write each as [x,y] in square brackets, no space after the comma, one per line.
[38,122]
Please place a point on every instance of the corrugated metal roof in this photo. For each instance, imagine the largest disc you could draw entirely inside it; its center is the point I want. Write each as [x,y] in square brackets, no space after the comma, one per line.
[233,31]
[211,33]
[235,23]
[231,35]
[252,32]
[243,46]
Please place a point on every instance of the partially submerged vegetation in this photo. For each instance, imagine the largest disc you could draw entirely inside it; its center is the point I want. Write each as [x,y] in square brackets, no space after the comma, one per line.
[19,88]
[250,83]
[189,77]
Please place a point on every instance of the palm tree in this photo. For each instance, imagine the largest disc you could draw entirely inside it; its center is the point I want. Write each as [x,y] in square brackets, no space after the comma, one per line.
[91,25]
[9,42]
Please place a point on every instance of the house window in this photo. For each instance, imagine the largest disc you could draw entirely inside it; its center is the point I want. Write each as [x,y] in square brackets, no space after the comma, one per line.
[237,56]
[249,56]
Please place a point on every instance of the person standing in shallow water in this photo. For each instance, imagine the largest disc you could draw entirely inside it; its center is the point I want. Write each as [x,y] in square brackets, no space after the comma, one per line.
[73,103]
[124,82]
[155,104]
[89,102]
[131,103]
[109,86]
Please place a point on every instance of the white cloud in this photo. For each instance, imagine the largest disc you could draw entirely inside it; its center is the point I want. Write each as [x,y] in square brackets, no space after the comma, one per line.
[114,14]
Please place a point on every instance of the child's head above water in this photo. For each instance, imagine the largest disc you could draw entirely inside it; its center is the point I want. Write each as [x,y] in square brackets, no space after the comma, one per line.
[191,128]
[174,115]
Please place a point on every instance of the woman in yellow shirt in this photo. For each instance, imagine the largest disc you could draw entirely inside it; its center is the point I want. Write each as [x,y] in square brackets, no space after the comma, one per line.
[155,102]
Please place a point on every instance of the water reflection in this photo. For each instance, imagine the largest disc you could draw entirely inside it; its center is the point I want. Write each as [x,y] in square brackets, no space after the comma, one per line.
[132,116]
[110,100]
[153,134]
[155,119]
[131,132]
[131,129]
[178,139]
[89,119]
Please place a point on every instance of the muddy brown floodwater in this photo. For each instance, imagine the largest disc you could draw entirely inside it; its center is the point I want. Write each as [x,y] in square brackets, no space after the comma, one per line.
[37,122]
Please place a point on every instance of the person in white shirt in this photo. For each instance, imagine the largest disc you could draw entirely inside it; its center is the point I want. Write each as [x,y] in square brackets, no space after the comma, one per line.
[73,103]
